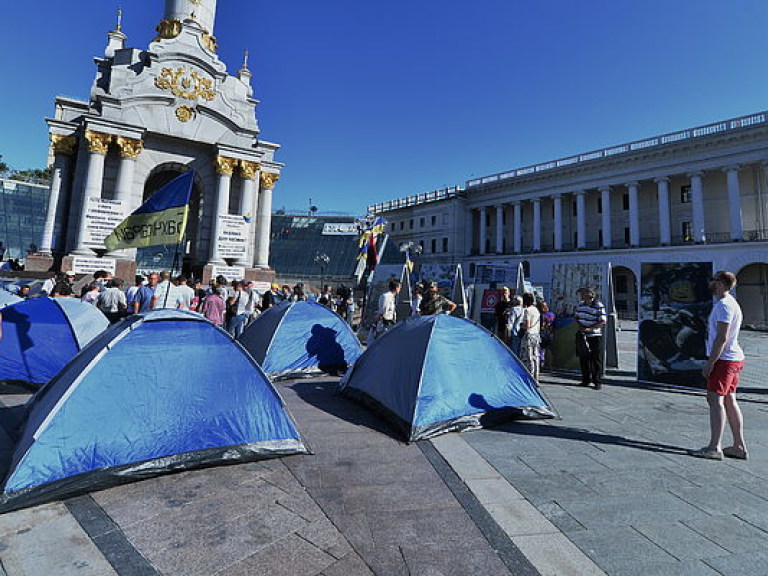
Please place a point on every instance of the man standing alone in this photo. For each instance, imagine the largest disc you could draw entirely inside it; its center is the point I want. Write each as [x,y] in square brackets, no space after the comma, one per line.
[725,362]
[591,317]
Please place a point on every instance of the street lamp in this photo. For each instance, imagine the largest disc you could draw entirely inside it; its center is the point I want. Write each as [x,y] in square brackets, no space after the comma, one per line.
[323,260]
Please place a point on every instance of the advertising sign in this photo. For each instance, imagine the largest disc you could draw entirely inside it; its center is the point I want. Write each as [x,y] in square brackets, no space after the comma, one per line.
[340,229]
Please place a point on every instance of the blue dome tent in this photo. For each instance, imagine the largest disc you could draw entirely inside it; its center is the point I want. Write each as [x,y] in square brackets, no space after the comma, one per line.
[298,338]
[41,335]
[154,393]
[7,298]
[434,374]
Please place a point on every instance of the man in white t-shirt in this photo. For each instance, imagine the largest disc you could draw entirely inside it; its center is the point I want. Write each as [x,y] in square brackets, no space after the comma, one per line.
[725,362]
[184,294]
[388,304]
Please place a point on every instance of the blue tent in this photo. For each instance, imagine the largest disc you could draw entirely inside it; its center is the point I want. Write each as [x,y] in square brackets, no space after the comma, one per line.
[300,338]
[434,374]
[41,335]
[154,393]
[7,298]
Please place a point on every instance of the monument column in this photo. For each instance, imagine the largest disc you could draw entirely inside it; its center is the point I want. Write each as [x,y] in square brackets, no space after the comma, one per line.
[537,224]
[98,145]
[665,233]
[499,228]
[734,203]
[267,183]
[581,220]
[558,202]
[518,231]
[224,168]
[64,147]
[130,148]
[697,198]
[248,208]
[634,214]
[605,197]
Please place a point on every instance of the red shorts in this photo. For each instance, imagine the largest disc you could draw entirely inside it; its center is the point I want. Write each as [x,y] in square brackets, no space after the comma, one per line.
[724,377]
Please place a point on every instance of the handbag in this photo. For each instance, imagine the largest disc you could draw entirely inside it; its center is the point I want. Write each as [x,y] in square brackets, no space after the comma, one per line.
[582,349]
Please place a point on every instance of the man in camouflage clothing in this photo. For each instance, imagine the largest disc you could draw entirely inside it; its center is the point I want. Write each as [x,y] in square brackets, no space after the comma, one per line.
[435,303]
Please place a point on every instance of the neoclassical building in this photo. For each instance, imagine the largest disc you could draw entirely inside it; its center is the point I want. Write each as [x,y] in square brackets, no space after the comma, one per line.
[152,114]
[695,195]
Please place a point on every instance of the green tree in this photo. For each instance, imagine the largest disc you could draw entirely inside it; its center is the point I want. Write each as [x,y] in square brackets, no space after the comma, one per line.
[3,166]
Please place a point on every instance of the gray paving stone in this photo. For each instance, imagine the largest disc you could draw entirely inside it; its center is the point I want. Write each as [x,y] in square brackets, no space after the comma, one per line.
[548,487]
[619,548]
[680,541]
[638,481]
[650,568]
[349,565]
[721,500]
[559,517]
[324,535]
[730,532]
[752,563]
[450,561]
[291,556]
[629,509]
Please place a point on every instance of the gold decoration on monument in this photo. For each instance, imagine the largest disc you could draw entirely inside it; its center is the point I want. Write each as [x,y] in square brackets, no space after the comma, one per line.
[187,85]
[210,42]
[64,145]
[168,29]
[98,143]
[249,169]
[129,147]
[184,113]
[268,179]
[225,166]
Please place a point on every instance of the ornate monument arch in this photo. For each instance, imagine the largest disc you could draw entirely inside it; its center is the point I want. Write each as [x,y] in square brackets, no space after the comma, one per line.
[166,109]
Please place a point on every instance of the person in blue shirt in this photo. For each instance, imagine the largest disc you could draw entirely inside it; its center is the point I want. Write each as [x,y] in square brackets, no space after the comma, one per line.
[143,300]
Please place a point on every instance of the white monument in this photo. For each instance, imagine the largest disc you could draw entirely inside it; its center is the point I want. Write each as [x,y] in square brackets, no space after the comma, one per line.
[153,114]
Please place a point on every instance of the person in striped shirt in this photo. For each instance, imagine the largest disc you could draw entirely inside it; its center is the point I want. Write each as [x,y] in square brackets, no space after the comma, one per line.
[590,316]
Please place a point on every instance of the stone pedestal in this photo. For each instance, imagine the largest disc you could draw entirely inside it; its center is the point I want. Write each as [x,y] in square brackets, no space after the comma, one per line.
[39,263]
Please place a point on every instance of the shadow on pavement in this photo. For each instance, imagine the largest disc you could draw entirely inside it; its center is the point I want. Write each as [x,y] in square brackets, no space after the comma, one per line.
[567,433]
[322,394]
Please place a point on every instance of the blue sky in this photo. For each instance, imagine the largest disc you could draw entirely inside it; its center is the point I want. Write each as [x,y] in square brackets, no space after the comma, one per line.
[373,101]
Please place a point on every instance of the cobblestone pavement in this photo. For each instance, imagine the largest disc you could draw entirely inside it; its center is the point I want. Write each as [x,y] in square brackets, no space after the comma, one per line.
[613,474]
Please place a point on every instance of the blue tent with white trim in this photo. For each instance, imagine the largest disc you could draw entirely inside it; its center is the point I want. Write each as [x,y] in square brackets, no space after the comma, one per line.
[42,334]
[7,298]
[300,338]
[155,393]
[434,374]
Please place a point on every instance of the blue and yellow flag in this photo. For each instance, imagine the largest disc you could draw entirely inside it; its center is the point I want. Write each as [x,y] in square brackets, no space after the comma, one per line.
[160,220]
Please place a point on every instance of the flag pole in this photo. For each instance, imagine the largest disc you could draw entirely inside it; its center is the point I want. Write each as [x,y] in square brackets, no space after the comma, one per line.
[173,267]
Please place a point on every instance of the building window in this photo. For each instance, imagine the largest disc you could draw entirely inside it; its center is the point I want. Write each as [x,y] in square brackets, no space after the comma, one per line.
[421,245]
[625,202]
[599,205]
[434,245]
[434,220]
[488,220]
[402,225]
[600,237]
[422,221]
[393,226]
[503,217]
[626,235]
[685,194]
[410,224]
[622,287]
[445,244]
[574,207]
[687,232]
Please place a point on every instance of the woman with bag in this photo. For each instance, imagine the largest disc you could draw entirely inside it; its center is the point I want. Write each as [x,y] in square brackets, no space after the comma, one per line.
[530,330]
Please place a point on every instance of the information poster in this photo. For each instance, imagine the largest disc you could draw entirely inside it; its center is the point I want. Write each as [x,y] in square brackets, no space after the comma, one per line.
[101,218]
[229,272]
[87,265]
[233,236]
[675,302]
[491,297]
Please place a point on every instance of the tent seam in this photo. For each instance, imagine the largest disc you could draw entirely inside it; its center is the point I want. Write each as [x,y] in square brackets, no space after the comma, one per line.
[423,366]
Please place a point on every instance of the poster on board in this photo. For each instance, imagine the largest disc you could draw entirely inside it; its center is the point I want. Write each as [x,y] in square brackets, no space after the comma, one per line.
[674,305]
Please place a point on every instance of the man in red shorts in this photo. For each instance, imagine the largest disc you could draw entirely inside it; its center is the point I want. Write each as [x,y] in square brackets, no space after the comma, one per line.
[726,360]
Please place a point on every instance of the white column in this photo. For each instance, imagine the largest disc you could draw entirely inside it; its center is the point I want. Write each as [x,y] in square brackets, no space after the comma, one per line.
[518,230]
[697,197]
[537,225]
[267,181]
[665,232]
[499,228]
[469,231]
[130,149]
[581,220]
[558,202]
[605,199]
[98,144]
[224,168]
[248,199]
[634,213]
[483,231]
[734,202]
[64,147]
